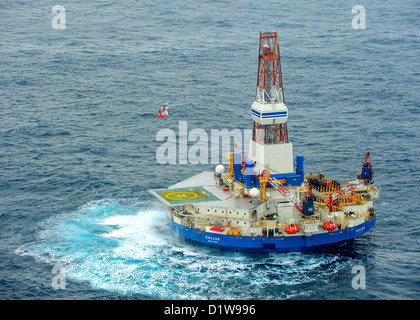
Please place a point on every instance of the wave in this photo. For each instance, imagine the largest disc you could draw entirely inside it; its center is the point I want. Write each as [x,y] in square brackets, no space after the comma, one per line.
[125,246]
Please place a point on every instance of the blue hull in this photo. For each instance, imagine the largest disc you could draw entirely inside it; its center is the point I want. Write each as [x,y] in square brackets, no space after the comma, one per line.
[274,244]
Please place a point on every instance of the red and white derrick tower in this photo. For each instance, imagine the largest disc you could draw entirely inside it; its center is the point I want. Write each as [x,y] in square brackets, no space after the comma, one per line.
[270,144]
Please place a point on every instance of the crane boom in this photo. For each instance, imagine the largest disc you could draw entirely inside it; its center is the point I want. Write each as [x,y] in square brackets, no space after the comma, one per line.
[343,191]
[283,190]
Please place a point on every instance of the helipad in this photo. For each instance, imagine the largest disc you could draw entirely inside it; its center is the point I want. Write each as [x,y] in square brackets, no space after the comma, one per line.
[188,195]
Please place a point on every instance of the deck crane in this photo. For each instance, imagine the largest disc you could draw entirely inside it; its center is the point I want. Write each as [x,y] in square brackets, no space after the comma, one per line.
[367,172]
[308,202]
[283,190]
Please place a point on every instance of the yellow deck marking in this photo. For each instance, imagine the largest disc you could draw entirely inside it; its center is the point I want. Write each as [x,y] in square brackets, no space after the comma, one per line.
[181,195]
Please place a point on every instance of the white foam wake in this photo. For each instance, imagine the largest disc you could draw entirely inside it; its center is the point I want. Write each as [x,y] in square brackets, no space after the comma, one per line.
[127,248]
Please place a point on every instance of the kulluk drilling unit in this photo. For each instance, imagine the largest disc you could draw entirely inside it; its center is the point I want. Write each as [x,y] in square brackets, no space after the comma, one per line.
[260,203]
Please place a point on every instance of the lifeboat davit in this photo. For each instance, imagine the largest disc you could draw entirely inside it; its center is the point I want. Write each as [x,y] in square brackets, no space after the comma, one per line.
[330,225]
[292,229]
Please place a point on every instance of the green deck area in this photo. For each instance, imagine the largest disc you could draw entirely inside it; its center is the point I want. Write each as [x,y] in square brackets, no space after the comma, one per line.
[186,195]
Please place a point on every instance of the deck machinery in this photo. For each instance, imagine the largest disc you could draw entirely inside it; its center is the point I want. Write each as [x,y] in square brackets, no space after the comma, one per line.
[264,202]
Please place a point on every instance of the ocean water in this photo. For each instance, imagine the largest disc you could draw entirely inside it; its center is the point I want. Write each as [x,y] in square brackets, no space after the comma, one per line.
[78,142]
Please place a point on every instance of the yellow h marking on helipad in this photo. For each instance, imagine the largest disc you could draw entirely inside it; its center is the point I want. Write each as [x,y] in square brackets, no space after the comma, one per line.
[185,195]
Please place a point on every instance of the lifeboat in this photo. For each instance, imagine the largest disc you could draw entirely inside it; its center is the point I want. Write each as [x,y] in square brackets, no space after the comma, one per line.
[217,229]
[330,225]
[292,229]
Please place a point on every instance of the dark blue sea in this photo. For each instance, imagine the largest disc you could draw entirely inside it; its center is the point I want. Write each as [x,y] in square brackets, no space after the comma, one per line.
[78,142]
